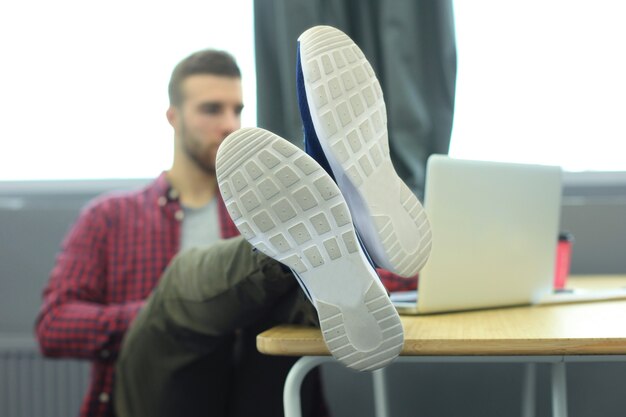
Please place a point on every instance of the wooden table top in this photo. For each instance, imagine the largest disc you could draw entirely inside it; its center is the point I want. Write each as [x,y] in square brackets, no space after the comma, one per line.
[570,329]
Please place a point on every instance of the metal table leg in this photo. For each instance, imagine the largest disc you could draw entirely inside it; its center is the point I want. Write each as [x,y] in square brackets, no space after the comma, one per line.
[559,390]
[293,383]
[381,405]
[529,390]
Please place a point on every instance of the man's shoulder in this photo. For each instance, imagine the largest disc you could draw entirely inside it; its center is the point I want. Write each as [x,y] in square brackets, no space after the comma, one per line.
[118,200]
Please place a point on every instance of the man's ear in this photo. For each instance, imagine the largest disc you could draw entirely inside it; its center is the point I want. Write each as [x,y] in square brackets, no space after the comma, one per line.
[172,116]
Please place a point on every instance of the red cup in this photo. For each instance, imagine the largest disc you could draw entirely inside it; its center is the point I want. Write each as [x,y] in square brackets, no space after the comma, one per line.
[563,260]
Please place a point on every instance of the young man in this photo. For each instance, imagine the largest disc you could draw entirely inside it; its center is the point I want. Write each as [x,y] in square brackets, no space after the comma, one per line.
[180,356]
[114,255]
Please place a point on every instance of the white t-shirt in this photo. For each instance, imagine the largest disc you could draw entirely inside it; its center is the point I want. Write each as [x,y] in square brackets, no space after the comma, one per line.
[200,226]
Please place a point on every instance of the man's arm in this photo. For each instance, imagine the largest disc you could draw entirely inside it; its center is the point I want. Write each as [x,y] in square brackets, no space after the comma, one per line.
[75,320]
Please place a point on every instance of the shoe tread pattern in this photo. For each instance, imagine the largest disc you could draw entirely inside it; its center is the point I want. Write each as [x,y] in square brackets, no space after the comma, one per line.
[332,324]
[306,231]
[349,101]
[282,208]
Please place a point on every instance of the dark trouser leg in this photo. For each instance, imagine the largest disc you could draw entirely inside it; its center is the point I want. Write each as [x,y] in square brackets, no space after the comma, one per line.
[259,379]
[176,358]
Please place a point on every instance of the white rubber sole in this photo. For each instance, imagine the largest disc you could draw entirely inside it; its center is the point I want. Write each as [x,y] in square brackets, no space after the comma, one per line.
[289,208]
[349,116]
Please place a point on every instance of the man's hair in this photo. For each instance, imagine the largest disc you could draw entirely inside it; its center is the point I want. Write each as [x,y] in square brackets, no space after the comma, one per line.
[208,61]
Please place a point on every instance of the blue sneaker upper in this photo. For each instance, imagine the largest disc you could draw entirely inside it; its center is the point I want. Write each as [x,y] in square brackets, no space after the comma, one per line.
[311,142]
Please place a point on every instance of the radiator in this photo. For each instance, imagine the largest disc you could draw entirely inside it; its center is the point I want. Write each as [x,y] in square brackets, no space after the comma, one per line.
[31,386]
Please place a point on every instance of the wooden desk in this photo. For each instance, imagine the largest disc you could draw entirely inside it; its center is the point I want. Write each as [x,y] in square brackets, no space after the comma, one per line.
[530,334]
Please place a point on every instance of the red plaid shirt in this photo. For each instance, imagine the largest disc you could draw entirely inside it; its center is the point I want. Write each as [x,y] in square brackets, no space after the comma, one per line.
[110,261]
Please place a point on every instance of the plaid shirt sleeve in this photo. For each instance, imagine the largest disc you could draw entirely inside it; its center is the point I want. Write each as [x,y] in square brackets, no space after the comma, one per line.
[393,282]
[74,320]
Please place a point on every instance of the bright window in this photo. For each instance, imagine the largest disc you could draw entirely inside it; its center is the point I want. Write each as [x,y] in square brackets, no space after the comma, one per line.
[84,84]
[541,81]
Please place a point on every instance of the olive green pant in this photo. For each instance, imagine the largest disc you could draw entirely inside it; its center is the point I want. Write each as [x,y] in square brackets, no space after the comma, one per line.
[191,350]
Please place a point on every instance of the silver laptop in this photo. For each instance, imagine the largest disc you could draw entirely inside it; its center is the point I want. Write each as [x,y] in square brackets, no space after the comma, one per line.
[495,230]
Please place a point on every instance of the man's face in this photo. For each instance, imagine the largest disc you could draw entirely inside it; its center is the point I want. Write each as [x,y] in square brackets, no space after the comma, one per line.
[210,111]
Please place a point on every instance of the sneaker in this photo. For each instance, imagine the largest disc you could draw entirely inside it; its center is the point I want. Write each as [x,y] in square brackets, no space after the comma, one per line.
[345,126]
[289,208]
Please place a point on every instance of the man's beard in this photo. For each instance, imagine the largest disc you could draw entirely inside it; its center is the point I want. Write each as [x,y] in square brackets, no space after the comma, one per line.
[204,158]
